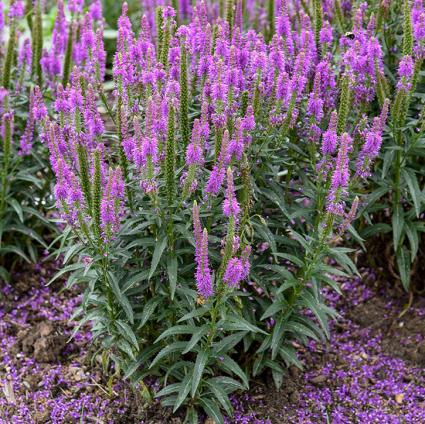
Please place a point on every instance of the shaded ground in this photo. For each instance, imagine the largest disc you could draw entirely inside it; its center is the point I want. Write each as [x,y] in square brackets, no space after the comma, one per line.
[372,371]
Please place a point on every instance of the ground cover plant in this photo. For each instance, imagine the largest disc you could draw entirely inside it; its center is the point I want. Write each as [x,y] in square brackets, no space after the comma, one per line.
[208,174]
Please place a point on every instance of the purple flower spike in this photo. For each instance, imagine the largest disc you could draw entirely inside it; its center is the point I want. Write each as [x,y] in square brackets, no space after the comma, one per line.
[340,177]
[230,204]
[203,273]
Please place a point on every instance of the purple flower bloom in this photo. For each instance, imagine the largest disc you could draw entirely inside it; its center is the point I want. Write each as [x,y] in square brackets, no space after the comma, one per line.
[111,208]
[330,138]
[315,102]
[248,122]
[234,272]
[418,22]
[61,100]
[349,217]
[372,144]
[230,204]
[1,19]
[237,268]
[25,55]
[92,118]
[27,136]
[340,177]
[17,9]
[405,72]
[7,117]
[216,178]
[39,109]
[203,273]
[215,181]
[326,33]
[95,10]
[76,6]
[194,152]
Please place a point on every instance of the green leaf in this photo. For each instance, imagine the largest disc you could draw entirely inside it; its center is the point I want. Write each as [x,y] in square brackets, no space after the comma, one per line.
[414,189]
[220,395]
[73,249]
[148,310]
[275,307]
[212,411]
[121,297]
[291,258]
[279,269]
[403,265]
[343,259]
[397,222]
[388,161]
[184,391]
[278,331]
[134,279]
[28,232]
[4,274]
[198,370]
[301,240]
[297,328]
[375,195]
[277,378]
[168,390]
[240,324]
[159,249]
[68,268]
[194,314]
[196,337]
[412,235]
[172,274]
[228,342]
[167,350]
[192,416]
[16,250]
[289,355]
[258,365]
[228,384]
[128,333]
[309,301]
[266,234]
[177,330]
[18,209]
[142,358]
[126,348]
[229,365]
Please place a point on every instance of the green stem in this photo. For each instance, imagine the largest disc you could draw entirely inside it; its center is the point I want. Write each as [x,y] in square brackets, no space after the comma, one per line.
[7,67]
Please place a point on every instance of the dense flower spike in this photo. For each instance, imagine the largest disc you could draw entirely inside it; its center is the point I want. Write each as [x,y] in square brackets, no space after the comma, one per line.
[405,72]
[230,205]
[111,208]
[203,272]
[340,177]
[372,144]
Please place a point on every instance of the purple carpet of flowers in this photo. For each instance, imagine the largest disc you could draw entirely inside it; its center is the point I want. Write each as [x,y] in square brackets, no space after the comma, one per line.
[361,383]
[63,392]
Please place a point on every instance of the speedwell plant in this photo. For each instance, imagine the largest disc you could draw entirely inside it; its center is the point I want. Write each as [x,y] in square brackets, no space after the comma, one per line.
[206,195]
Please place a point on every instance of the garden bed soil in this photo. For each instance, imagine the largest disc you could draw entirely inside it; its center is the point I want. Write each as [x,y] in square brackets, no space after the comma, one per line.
[372,370]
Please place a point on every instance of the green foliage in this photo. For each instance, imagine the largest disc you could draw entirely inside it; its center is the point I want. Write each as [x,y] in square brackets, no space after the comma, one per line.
[24,176]
[397,202]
